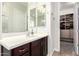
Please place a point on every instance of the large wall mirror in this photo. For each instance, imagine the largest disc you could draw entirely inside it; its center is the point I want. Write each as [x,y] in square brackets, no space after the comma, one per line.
[14,17]
[20,16]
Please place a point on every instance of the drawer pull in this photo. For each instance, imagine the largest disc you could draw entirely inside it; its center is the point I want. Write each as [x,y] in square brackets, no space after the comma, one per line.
[22,50]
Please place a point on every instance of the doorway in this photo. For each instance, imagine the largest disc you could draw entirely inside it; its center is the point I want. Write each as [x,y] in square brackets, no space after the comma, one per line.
[66,33]
[66,30]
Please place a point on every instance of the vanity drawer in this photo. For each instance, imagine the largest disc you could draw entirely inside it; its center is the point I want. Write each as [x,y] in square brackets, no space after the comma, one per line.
[19,51]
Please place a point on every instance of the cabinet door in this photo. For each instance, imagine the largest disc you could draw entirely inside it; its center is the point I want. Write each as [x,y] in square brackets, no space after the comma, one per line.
[36,48]
[44,46]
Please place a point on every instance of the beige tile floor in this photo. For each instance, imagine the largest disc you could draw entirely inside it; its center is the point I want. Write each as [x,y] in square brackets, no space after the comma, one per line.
[64,53]
[65,50]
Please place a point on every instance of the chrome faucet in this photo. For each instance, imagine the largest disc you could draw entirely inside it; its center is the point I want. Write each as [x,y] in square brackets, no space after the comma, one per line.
[30,32]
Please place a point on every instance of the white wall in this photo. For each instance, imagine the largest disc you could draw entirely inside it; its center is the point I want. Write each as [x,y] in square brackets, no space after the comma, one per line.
[55,27]
[76,28]
[66,11]
[50,40]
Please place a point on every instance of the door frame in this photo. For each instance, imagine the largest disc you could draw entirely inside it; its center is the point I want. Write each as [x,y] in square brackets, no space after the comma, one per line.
[75,19]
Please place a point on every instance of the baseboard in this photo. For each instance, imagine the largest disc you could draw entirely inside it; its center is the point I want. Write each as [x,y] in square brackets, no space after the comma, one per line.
[57,50]
[50,53]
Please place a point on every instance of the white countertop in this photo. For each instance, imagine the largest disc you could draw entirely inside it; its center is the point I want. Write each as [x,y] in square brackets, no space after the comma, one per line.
[15,41]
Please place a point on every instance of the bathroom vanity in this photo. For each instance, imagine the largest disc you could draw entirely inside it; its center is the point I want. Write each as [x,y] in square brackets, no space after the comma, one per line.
[32,46]
[21,23]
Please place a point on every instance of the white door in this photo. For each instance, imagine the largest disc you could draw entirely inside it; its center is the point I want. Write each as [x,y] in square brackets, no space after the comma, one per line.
[76,27]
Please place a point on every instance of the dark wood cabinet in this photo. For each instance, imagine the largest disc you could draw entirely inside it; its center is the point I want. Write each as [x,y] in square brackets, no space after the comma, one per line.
[34,48]
[22,50]
[44,46]
[39,47]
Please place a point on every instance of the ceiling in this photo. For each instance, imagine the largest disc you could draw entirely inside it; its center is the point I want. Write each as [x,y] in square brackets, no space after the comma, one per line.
[66,5]
[63,5]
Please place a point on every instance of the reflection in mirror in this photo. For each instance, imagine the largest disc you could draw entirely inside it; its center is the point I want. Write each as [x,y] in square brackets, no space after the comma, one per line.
[14,17]
[21,17]
[41,15]
[33,17]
